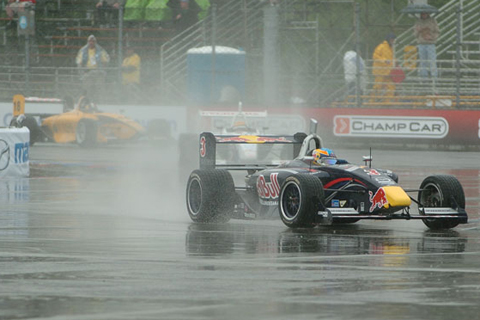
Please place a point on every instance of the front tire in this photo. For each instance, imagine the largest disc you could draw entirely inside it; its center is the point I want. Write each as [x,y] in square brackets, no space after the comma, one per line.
[301,197]
[441,191]
[210,196]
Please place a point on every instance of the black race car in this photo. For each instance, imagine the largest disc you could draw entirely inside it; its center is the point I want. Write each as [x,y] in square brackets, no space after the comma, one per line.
[310,190]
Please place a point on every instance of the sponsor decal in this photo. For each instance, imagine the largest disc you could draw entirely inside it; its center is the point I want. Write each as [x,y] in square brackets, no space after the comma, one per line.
[335,203]
[378,200]
[268,192]
[4,155]
[268,202]
[384,180]
[21,152]
[391,126]
[372,172]
[253,139]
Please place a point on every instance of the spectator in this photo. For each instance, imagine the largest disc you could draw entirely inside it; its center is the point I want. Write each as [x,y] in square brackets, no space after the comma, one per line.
[204,6]
[92,58]
[350,70]
[14,6]
[185,13]
[158,11]
[107,12]
[426,31]
[135,10]
[383,63]
[131,73]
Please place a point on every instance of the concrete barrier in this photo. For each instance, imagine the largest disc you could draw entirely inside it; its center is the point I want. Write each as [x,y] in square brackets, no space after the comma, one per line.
[14,152]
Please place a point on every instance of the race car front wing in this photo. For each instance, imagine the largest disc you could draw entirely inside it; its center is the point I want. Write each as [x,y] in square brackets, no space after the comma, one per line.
[326,216]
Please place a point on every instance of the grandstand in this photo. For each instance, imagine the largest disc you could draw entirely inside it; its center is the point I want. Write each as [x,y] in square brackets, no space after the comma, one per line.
[61,29]
[312,38]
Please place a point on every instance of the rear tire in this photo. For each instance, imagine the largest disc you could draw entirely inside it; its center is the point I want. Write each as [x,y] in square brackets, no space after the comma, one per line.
[86,133]
[36,134]
[441,191]
[210,196]
[301,197]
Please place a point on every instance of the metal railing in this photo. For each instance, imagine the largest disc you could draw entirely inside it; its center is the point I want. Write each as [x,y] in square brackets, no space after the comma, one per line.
[316,69]
[447,22]
[229,25]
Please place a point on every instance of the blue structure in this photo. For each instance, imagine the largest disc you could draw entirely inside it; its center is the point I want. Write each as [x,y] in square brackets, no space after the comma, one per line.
[215,78]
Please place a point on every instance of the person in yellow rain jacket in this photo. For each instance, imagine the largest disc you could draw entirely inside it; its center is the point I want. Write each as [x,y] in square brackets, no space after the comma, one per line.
[383,63]
[131,74]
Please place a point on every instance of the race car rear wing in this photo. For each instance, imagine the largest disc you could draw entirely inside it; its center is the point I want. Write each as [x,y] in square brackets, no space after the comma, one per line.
[208,146]
[237,117]
[54,105]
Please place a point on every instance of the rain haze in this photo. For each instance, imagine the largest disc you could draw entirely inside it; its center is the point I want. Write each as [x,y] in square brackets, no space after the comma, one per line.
[102,226]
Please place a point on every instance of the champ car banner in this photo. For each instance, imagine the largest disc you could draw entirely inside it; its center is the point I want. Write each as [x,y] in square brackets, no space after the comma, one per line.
[14,149]
[390,126]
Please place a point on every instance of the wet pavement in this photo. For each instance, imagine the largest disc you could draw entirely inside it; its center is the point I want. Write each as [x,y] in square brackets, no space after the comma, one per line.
[104,234]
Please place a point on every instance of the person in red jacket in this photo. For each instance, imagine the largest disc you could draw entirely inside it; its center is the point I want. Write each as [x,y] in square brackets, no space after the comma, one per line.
[13,7]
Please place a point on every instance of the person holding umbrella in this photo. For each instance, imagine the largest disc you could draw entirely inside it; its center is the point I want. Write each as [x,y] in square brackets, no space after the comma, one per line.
[426,32]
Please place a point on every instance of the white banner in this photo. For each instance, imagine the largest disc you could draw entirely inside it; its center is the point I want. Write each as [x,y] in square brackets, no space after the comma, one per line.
[390,126]
[14,150]
[175,115]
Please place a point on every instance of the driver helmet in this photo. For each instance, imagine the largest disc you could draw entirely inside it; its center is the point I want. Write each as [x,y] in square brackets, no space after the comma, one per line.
[324,156]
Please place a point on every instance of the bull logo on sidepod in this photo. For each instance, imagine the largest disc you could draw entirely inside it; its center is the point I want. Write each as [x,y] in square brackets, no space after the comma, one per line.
[268,190]
[4,155]
[378,200]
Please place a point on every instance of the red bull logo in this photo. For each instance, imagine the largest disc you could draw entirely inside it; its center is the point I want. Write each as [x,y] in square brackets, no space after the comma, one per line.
[234,139]
[268,190]
[378,200]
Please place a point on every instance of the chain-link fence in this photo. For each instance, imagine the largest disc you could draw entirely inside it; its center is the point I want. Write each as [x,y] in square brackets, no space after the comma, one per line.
[310,59]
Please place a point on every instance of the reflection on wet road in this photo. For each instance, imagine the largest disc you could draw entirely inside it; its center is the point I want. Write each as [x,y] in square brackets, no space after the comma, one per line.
[104,234]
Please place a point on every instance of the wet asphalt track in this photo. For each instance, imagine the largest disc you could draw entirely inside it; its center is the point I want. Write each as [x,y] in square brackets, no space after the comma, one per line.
[104,234]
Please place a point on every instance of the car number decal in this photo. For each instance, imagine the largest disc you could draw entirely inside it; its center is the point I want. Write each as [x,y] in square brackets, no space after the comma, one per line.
[203,150]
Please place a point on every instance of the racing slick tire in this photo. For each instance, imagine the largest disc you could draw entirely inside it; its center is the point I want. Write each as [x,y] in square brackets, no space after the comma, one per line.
[441,191]
[86,133]
[210,196]
[32,125]
[301,197]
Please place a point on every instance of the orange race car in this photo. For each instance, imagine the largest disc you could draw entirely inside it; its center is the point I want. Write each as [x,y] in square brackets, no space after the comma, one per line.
[80,123]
